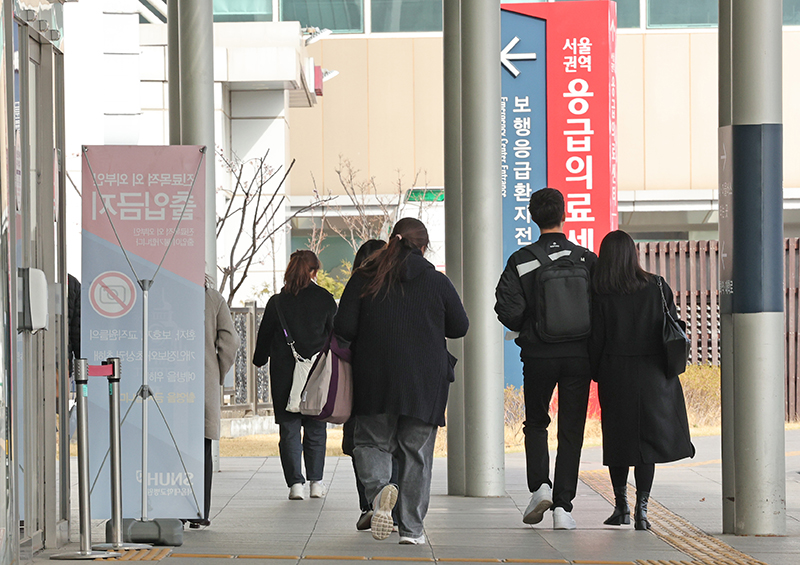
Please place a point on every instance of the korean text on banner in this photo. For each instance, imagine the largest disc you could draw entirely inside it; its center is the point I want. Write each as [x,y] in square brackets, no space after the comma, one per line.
[144,192]
[558,122]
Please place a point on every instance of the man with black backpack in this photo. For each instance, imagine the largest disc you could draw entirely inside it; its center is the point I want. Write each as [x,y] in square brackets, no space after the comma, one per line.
[544,294]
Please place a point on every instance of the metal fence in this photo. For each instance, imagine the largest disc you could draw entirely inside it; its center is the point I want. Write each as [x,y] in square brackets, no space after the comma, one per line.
[250,394]
[691,270]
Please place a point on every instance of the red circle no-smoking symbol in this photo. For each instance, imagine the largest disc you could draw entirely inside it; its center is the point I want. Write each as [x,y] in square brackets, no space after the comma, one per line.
[112,294]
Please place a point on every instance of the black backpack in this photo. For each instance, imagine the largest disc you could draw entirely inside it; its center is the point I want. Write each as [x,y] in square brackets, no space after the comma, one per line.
[563,297]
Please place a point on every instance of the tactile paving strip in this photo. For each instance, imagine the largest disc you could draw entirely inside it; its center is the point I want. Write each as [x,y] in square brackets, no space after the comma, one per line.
[676,531]
[155,554]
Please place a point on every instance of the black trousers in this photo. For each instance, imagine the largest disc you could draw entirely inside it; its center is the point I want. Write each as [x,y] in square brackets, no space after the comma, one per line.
[572,375]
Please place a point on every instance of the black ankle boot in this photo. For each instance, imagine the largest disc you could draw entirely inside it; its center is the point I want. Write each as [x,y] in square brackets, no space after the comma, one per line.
[640,521]
[622,512]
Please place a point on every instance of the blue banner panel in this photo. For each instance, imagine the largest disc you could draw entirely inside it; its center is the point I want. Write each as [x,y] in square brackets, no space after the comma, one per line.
[523,122]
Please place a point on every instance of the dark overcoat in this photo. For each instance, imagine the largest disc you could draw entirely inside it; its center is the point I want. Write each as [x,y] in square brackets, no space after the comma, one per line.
[643,412]
[309,316]
[400,360]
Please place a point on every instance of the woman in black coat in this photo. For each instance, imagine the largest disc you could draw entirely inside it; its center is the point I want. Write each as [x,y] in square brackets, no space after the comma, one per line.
[308,310]
[644,418]
[367,249]
[396,312]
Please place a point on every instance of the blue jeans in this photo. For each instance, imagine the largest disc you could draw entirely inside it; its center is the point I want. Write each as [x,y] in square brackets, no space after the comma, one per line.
[378,438]
[310,448]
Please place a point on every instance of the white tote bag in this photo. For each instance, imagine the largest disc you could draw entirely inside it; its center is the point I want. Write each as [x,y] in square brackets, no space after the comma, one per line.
[302,366]
[299,377]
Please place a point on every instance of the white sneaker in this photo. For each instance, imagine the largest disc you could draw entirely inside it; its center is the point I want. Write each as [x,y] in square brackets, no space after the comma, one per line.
[563,520]
[407,540]
[296,492]
[541,501]
[317,489]
[382,507]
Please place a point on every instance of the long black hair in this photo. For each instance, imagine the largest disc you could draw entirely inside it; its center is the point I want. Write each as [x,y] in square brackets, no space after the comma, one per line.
[617,270]
[366,250]
[386,265]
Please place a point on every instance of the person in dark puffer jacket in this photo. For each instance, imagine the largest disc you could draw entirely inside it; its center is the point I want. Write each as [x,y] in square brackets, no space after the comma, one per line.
[396,312]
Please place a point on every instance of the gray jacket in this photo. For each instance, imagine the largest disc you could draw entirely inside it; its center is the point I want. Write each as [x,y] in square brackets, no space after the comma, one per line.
[222,341]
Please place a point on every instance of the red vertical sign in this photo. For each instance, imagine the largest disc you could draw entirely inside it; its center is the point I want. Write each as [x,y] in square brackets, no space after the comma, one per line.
[581,112]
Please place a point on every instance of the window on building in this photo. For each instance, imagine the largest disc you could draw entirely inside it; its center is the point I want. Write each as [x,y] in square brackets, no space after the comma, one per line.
[340,16]
[406,15]
[627,13]
[682,13]
[242,10]
[791,12]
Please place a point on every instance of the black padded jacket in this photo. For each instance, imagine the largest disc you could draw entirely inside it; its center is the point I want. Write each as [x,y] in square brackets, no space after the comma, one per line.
[515,302]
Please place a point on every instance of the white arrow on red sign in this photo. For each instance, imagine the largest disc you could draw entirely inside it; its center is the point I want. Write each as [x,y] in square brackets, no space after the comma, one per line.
[506,57]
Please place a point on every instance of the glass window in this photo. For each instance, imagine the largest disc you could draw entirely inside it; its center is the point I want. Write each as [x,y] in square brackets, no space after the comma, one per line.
[406,15]
[342,16]
[682,13]
[242,10]
[627,12]
[791,12]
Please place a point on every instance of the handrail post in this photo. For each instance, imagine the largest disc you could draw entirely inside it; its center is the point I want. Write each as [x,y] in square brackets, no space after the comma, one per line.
[252,378]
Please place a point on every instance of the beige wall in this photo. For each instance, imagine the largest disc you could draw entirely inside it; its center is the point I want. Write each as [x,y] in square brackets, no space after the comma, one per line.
[384,112]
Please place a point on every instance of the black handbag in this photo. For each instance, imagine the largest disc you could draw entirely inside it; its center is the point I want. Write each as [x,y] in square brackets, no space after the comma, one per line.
[676,342]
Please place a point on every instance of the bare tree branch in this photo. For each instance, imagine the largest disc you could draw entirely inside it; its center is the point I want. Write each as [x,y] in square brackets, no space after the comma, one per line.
[254,213]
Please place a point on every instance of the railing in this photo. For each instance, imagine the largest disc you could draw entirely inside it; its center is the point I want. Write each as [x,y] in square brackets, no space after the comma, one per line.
[250,394]
[691,269]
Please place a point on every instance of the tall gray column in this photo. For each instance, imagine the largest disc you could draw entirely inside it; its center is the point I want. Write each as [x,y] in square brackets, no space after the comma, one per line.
[456,478]
[725,179]
[758,330]
[174,73]
[194,65]
[482,251]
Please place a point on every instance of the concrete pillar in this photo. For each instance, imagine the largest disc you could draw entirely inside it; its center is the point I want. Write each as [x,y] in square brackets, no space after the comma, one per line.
[194,65]
[456,480]
[725,180]
[758,323]
[482,247]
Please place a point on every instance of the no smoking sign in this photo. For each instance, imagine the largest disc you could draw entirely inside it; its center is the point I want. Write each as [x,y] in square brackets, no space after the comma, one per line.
[112,294]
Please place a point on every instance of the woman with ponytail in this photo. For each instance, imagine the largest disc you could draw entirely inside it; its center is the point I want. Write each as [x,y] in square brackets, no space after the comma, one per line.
[308,312]
[396,312]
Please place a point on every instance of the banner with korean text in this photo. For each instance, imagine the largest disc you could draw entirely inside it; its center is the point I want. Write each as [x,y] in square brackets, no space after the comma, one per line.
[558,123]
[149,201]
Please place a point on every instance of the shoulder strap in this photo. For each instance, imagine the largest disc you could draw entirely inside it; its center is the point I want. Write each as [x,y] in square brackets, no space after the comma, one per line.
[661,289]
[286,332]
[539,253]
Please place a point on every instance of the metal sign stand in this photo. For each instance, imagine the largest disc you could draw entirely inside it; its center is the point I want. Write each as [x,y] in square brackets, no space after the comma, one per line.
[114,372]
[82,384]
[145,391]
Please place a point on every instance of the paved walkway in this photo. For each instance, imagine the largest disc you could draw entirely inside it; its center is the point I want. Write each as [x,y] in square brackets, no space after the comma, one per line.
[254,522]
